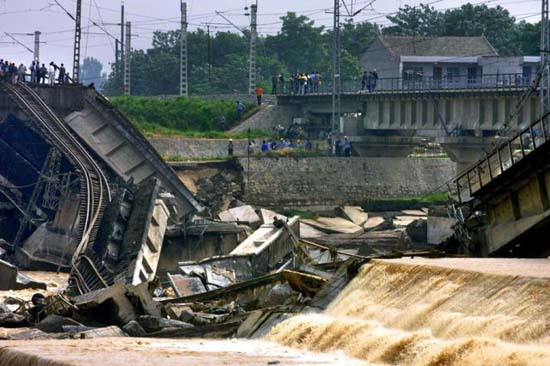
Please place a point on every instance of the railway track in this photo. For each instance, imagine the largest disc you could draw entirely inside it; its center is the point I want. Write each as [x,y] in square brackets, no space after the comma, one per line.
[87,272]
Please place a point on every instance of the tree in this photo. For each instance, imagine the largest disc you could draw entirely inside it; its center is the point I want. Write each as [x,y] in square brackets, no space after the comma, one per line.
[299,44]
[357,37]
[415,21]
[91,72]
[479,20]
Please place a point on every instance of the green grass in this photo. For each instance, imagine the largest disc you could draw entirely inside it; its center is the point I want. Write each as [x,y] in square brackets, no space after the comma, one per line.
[407,202]
[189,117]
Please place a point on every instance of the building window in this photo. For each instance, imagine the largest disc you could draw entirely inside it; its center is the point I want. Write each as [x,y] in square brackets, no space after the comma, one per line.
[415,73]
[453,73]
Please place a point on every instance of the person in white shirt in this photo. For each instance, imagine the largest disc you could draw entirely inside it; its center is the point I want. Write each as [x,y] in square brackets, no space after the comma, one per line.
[51,74]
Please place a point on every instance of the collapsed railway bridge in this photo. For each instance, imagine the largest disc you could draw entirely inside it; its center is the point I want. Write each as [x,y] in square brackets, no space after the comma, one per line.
[81,188]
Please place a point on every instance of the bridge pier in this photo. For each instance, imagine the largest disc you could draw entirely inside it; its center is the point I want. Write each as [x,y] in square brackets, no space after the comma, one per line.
[465,150]
[384,146]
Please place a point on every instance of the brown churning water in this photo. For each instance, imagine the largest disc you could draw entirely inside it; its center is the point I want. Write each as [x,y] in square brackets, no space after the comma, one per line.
[403,314]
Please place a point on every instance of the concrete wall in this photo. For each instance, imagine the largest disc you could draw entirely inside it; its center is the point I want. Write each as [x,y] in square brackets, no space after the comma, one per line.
[380,58]
[335,181]
[188,148]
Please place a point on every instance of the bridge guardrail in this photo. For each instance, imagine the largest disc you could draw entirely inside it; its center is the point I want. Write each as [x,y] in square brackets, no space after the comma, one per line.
[502,158]
[496,81]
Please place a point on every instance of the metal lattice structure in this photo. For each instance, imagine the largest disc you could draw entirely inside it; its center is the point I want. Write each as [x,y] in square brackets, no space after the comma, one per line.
[545,60]
[77,37]
[36,54]
[336,69]
[253,40]
[184,85]
[127,59]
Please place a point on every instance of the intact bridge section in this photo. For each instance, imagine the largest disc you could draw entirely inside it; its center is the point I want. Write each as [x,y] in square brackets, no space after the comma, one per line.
[392,119]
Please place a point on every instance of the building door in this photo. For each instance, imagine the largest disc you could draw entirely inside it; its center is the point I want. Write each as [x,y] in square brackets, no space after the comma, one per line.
[472,75]
[438,75]
[527,75]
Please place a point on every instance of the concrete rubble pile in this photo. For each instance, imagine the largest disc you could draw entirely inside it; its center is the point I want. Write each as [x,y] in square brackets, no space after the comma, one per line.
[236,276]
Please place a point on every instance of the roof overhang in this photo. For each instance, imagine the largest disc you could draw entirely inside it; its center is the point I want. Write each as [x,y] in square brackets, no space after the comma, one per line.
[531,59]
[441,59]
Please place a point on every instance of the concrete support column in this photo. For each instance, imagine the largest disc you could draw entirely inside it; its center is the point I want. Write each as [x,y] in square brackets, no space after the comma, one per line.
[465,150]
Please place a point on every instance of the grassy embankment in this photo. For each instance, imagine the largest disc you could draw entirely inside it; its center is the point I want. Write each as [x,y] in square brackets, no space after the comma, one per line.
[186,117]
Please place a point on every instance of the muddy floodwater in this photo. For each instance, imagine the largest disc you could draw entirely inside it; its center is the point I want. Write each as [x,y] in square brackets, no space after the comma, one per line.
[161,352]
[425,312]
[405,312]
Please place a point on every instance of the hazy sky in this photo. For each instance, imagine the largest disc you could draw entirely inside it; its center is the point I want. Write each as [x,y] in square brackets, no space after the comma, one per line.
[20,17]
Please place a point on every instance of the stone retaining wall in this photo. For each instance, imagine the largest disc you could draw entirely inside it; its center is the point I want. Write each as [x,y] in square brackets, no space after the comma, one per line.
[190,148]
[308,182]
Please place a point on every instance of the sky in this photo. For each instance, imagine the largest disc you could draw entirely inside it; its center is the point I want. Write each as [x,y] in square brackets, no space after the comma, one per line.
[21,18]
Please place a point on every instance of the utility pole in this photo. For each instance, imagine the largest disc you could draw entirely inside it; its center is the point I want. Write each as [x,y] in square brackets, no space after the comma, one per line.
[544,60]
[36,53]
[122,24]
[184,86]
[127,59]
[77,37]
[336,68]
[209,54]
[253,39]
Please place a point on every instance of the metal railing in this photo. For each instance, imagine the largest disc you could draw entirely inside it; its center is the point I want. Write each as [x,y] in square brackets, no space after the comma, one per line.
[497,81]
[501,159]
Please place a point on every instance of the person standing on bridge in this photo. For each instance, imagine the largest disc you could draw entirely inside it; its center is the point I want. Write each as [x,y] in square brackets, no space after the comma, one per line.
[42,74]
[62,72]
[33,69]
[21,71]
[51,73]
[374,79]
[259,91]
[364,80]
[347,147]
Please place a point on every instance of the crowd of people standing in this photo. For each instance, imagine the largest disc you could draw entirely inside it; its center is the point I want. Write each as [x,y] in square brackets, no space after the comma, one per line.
[302,83]
[35,73]
[299,83]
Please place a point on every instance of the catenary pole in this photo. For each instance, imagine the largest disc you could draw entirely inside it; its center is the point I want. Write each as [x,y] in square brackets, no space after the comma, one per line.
[127,60]
[253,40]
[184,86]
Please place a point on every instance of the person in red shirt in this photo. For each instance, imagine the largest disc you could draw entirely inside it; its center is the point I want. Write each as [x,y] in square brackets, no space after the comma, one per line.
[259,91]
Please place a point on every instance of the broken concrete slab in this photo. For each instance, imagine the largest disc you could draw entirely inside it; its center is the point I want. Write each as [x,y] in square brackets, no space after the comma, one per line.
[108,306]
[145,234]
[375,223]
[241,214]
[105,332]
[142,299]
[134,329]
[403,221]
[8,274]
[418,231]
[439,229]
[268,216]
[252,322]
[334,225]
[308,231]
[11,279]
[186,285]
[54,324]
[175,311]
[226,216]
[153,324]
[414,213]
[354,214]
